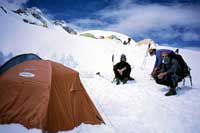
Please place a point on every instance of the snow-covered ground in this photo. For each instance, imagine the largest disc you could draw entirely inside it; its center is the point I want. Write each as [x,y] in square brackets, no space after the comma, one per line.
[138,106]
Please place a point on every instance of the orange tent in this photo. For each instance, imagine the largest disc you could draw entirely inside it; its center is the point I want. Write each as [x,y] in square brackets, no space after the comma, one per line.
[46,95]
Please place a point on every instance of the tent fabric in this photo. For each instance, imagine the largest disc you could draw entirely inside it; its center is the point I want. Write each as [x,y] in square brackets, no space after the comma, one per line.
[114,37]
[18,59]
[147,42]
[88,35]
[52,98]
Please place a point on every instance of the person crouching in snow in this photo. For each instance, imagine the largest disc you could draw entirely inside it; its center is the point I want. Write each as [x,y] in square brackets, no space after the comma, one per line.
[168,74]
[122,70]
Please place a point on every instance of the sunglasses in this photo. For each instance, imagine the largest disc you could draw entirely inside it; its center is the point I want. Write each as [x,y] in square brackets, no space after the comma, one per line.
[164,56]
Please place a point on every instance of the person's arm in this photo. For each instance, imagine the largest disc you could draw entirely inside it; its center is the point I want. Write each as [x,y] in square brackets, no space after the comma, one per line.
[116,67]
[128,67]
[158,61]
[121,70]
[124,68]
[172,69]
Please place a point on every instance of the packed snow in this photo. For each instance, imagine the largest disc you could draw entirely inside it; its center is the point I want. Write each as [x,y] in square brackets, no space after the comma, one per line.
[138,106]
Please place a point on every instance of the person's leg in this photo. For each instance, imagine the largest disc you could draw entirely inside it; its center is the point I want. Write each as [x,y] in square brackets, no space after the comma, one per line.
[165,81]
[172,84]
[168,82]
[117,76]
[125,80]
[125,76]
[172,91]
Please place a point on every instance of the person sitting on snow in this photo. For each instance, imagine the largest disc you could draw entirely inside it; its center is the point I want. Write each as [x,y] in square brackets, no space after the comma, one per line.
[122,70]
[169,73]
[157,53]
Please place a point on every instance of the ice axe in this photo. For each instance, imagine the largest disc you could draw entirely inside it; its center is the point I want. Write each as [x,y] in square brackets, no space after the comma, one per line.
[113,59]
[145,57]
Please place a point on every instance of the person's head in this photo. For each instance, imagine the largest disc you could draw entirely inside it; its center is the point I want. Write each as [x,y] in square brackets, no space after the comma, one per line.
[165,57]
[123,58]
[152,51]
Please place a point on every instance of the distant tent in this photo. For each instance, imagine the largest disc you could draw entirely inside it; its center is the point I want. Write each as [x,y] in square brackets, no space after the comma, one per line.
[45,94]
[109,37]
[101,37]
[147,42]
[88,35]
[114,37]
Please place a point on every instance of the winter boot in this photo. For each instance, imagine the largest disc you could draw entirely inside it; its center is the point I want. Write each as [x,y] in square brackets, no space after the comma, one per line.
[124,81]
[117,81]
[172,91]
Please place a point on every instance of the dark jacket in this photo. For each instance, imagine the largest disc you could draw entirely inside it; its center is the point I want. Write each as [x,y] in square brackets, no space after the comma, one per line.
[126,72]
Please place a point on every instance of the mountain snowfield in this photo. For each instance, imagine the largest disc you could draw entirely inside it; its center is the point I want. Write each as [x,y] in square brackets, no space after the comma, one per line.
[138,106]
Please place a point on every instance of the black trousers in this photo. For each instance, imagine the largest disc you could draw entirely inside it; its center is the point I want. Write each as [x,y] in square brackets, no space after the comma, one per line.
[167,80]
[126,74]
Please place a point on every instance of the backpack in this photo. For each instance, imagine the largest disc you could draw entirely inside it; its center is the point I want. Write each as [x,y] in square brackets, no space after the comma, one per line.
[184,70]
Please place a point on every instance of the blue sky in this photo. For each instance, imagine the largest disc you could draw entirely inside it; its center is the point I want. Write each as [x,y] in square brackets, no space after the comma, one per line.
[173,22]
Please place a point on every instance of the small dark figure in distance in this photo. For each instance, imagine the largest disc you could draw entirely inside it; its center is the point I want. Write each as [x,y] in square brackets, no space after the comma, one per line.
[128,42]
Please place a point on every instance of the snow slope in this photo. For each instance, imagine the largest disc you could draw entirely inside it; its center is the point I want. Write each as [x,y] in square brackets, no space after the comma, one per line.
[138,106]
